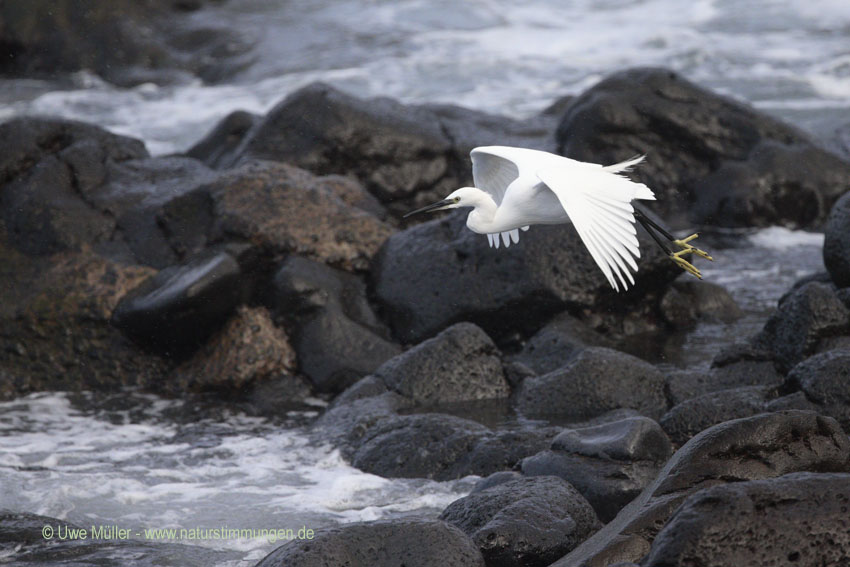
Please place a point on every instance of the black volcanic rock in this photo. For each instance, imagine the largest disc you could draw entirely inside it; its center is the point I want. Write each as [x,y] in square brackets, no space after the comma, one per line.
[711,158]
[836,242]
[752,448]
[387,543]
[796,519]
[811,313]
[825,380]
[609,464]
[335,333]
[595,381]
[557,342]
[438,273]
[524,522]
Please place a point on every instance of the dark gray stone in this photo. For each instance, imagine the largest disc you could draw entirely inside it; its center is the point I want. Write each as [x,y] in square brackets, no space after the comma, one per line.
[595,381]
[413,543]
[217,147]
[556,343]
[688,418]
[752,448]
[825,380]
[836,242]
[524,522]
[690,301]
[685,384]
[337,336]
[729,164]
[460,364]
[809,315]
[609,464]
[796,519]
[438,273]
[181,306]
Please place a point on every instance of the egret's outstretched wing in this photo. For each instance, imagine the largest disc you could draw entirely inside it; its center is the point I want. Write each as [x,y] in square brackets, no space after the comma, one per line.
[599,205]
[492,172]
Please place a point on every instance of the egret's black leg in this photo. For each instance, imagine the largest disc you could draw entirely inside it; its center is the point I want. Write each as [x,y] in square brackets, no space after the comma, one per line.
[651,227]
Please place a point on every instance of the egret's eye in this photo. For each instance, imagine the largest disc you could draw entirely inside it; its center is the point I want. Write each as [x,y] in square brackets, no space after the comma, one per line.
[457,199]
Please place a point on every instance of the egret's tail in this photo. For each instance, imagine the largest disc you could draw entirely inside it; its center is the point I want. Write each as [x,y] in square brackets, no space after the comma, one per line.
[640,191]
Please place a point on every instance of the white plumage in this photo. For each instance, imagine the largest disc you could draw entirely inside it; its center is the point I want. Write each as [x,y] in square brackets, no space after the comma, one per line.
[517,187]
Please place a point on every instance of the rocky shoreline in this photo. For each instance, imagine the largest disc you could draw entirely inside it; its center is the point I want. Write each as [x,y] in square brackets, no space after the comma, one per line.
[270,265]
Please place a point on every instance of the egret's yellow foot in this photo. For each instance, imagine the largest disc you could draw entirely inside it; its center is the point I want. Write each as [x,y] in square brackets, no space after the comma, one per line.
[687,248]
[684,264]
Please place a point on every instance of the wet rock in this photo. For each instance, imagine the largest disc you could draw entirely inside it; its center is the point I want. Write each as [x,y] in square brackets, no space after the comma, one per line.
[417,446]
[48,170]
[556,343]
[737,166]
[176,310]
[42,38]
[216,147]
[794,519]
[504,450]
[688,418]
[348,422]
[460,364]
[595,381]
[753,448]
[412,542]
[392,149]
[836,242]
[335,332]
[610,464]
[825,380]
[809,315]
[54,324]
[248,350]
[523,522]
[281,209]
[438,273]
[686,384]
[687,302]
[495,479]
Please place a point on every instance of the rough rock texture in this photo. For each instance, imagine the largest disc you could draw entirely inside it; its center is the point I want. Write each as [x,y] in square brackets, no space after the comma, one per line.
[247,350]
[836,242]
[218,144]
[688,418]
[181,306]
[609,464]
[54,324]
[438,273]
[524,522]
[811,313]
[335,332]
[685,384]
[557,342]
[758,447]
[595,381]
[43,37]
[825,380]
[460,364]
[48,171]
[279,208]
[735,166]
[690,301]
[413,543]
[796,519]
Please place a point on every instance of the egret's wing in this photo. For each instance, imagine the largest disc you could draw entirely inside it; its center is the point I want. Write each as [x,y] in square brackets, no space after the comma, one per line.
[492,172]
[599,206]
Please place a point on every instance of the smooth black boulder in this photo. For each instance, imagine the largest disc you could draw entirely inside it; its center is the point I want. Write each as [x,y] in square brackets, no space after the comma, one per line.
[181,306]
[459,364]
[809,315]
[438,273]
[609,463]
[712,160]
[796,519]
[752,448]
[409,542]
[836,242]
[825,380]
[526,522]
[336,334]
[595,381]
[557,342]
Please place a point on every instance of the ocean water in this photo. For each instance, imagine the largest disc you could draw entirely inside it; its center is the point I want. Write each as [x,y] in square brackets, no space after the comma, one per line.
[144,462]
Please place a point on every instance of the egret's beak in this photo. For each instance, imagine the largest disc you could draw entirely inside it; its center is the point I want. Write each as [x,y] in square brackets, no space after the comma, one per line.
[434,207]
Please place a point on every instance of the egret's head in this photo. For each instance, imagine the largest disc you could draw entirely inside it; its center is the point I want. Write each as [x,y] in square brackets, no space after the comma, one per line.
[463,197]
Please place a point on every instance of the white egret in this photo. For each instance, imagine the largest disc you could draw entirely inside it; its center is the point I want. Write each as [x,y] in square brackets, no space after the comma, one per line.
[518,187]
